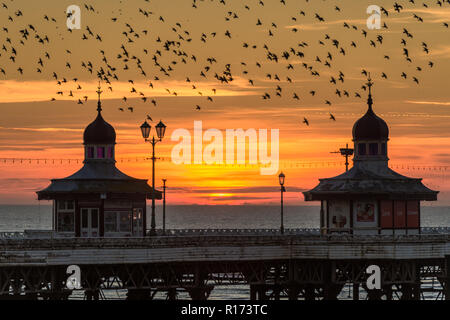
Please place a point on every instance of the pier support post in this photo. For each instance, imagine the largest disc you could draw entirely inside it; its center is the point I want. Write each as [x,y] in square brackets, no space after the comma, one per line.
[356,291]
[293,291]
[258,292]
[276,289]
[446,284]
[374,294]
[388,291]
[172,294]
[199,290]
[415,287]
[92,294]
[406,291]
[200,293]
[252,292]
[329,288]
[309,292]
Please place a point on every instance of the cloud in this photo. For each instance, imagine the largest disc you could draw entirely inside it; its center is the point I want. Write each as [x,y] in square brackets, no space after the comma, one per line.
[440,51]
[438,103]
[29,91]
[8,185]
[44,129]
[433,15]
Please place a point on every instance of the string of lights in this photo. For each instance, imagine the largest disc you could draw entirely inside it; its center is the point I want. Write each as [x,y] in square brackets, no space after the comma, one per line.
[282,163]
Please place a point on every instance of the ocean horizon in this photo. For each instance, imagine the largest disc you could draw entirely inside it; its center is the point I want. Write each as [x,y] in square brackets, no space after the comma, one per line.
[16,218]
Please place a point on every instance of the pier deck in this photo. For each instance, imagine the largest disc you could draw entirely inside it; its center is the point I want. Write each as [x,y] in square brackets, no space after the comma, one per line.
[301,264]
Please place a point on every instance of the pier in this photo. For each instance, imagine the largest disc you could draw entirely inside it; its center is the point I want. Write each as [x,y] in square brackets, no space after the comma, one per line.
[301,264]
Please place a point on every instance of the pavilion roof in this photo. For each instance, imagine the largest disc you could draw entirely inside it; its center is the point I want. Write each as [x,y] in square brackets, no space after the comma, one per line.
[362,183]
[97,178]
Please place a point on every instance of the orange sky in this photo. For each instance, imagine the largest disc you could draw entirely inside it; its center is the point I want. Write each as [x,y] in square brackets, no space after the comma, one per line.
[33,127]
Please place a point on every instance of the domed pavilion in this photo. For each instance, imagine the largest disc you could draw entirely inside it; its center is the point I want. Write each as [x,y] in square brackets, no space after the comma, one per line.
[99,200]
[370,198]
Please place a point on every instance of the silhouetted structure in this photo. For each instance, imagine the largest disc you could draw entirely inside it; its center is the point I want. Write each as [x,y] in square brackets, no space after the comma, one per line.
[99,200]
[370,198]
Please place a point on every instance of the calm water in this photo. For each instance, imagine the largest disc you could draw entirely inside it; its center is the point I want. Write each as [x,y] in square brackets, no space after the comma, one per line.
[20,217]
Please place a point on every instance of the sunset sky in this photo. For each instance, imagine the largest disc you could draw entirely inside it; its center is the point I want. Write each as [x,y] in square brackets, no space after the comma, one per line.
[33,126]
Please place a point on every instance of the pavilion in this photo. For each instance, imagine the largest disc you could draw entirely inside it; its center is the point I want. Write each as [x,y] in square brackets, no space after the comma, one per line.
[370,198]
[99,200]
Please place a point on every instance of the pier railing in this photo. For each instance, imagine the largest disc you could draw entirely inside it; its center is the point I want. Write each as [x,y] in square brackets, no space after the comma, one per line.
[306,232]
[297,231]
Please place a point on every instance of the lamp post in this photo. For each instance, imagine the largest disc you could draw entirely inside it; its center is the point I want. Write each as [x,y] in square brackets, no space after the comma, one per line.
[160,131]
[164,206]
[281,178]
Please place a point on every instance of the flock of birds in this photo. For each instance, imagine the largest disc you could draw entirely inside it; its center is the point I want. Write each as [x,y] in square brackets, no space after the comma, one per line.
[166,54]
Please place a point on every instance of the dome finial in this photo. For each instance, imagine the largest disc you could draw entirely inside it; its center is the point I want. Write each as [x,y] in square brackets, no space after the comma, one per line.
[99,92]
[370,84]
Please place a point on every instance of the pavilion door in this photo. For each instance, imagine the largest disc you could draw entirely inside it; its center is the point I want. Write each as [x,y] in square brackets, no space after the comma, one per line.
[89,222]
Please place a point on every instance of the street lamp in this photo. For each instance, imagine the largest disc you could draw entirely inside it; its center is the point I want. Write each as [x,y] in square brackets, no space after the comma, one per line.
[164,206]
[281,178]
[160,131]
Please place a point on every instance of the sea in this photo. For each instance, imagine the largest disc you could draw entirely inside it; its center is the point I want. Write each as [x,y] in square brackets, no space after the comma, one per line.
[16,218]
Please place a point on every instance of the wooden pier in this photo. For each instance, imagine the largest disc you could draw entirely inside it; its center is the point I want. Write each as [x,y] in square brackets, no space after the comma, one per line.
[300,264]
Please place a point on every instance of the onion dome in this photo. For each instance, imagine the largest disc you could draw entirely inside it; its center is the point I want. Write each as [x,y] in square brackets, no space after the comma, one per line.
[99,131]
[370,126]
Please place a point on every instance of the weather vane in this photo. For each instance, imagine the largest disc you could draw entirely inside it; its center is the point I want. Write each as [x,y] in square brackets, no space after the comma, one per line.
[370,84]
[99,92]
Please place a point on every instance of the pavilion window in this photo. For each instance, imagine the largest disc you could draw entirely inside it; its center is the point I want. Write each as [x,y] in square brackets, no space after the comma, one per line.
[125,222]
[65,216]
[383,149]
[90,152]
[66,222]
[362,149]
[373,149]
[94,218]
[110,152]
[84,218]
[110,221]
[117,221]
[65,205]
[100,152]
